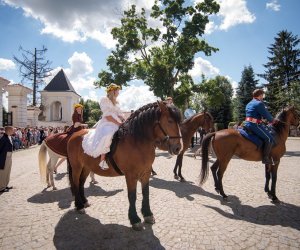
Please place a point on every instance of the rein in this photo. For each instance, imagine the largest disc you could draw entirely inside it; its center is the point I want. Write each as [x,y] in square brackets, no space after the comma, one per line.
[167,137]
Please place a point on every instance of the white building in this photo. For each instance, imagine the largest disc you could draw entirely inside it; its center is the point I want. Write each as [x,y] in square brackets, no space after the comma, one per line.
[58,99]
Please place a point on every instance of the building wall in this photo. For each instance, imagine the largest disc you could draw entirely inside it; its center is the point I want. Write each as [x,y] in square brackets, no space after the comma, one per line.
[67,101]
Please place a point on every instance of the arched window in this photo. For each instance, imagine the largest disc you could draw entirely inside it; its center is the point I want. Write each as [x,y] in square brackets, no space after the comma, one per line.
[55,111]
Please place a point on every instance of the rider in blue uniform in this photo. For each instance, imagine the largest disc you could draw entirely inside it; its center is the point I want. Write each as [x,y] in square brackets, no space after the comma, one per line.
[255,112]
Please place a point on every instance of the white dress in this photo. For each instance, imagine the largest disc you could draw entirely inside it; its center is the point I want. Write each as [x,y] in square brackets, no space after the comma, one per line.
[97,141]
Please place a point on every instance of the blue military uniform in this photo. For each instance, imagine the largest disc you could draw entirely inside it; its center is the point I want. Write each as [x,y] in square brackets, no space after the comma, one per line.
[255,111]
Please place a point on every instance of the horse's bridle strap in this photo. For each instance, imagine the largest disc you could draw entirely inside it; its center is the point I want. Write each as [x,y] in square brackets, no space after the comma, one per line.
[167,137]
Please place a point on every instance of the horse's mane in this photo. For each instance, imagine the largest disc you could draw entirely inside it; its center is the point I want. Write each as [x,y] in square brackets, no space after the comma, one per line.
[140,123]
[204,113]
[280,120]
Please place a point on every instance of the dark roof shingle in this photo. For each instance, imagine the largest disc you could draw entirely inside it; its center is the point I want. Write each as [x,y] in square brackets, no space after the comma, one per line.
[60,83]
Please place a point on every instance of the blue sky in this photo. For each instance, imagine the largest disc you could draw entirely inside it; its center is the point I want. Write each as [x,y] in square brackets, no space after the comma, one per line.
[77,35]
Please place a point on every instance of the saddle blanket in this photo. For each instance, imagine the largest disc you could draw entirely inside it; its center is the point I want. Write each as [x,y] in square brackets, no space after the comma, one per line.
[251,137]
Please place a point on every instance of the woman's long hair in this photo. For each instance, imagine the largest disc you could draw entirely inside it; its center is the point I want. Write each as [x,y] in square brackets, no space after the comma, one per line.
[112,97]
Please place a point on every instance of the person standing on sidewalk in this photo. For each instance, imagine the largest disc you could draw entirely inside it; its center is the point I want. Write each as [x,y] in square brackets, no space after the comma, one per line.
[6,148]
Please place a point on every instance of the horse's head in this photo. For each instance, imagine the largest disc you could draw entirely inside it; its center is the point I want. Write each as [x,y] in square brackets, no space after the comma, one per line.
[167,131]
[292,116]
[208,122]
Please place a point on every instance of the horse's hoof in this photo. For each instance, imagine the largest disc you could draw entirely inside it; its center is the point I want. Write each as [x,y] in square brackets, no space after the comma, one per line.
[217,190]
[138,226]
[87,204]
[54,188]
[182,179]
[176,177]
[81,211]
[149,219]
[225,198]
[275,200]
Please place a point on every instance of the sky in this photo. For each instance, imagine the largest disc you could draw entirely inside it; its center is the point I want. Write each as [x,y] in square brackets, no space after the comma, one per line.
[77,36]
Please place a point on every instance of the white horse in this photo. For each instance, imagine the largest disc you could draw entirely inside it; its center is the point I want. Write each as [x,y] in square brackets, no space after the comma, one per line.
[46,170]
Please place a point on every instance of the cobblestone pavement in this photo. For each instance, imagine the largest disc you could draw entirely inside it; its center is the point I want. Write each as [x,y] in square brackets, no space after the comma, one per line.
[187,216]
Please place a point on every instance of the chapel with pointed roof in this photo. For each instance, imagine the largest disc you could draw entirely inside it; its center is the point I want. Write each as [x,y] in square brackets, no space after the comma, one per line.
[58,99]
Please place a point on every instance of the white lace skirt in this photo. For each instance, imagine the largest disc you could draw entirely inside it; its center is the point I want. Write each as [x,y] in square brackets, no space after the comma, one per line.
[97,141]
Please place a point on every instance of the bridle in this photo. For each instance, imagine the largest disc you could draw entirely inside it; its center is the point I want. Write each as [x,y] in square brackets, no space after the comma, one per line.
[167,137]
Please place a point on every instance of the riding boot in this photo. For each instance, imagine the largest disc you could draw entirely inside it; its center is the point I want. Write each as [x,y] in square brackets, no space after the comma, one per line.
[266,153]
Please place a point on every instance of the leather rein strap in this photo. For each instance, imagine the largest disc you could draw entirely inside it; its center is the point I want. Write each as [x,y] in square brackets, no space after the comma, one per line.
[167,137]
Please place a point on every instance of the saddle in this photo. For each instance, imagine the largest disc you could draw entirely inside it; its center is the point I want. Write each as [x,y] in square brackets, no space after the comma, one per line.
[249,135]
[110,154]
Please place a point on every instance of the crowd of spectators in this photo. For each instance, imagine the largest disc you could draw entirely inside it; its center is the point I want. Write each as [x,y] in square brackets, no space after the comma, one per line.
[23,138]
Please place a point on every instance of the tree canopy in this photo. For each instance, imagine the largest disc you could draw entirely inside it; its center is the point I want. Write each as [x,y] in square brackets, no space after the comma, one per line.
[160,56]
[283,72]
[247,84]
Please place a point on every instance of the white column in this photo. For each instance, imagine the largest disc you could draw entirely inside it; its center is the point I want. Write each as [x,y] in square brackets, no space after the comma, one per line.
[3,84]
[17,103]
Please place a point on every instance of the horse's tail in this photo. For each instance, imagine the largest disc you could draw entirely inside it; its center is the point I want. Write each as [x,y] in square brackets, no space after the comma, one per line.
[70,176]
[205,145]
[42,161]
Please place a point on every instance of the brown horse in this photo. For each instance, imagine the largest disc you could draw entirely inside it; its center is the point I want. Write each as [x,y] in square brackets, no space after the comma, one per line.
[188,128]
[132,154]
[229,142]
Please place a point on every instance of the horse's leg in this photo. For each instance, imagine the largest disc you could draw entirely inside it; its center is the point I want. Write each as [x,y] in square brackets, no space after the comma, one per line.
[268,176]
[221,170]
[76,173]
[52,161]
[175,169]
[84,174]
[153,172]
[176,166]
[146,211]
[48,173]
[134,219]
[180,159]
[274,180]
[214,169]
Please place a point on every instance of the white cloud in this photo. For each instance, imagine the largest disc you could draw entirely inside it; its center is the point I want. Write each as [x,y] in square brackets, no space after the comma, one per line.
[204,67]
[76,20]
[92,95]
[6,64]
[231,13]
[134,97]
[81,64]
[273,5]
[79,72]
[234,12]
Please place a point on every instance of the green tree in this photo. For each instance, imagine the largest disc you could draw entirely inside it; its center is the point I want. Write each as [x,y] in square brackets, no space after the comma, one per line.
[282,72]
[160,58]
[244,91]
[215,96]
[91,112]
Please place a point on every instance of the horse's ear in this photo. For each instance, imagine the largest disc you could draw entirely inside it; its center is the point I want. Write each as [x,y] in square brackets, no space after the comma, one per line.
[162,106]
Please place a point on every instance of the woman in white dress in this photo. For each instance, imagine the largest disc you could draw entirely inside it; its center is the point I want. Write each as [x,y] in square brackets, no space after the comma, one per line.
[97,142]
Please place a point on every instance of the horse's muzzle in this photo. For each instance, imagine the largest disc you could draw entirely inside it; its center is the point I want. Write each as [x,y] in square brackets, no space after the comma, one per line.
[174,149]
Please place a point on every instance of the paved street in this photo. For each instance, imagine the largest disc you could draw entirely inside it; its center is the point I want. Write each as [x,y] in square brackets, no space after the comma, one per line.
[187,216]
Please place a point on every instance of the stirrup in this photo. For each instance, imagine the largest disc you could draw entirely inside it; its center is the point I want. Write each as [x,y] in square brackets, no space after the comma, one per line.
[103,165]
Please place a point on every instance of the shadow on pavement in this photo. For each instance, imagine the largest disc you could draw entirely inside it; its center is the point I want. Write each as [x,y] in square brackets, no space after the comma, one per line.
[64,196]
[283,214]
[80,231]
[181,189]
[292,154]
